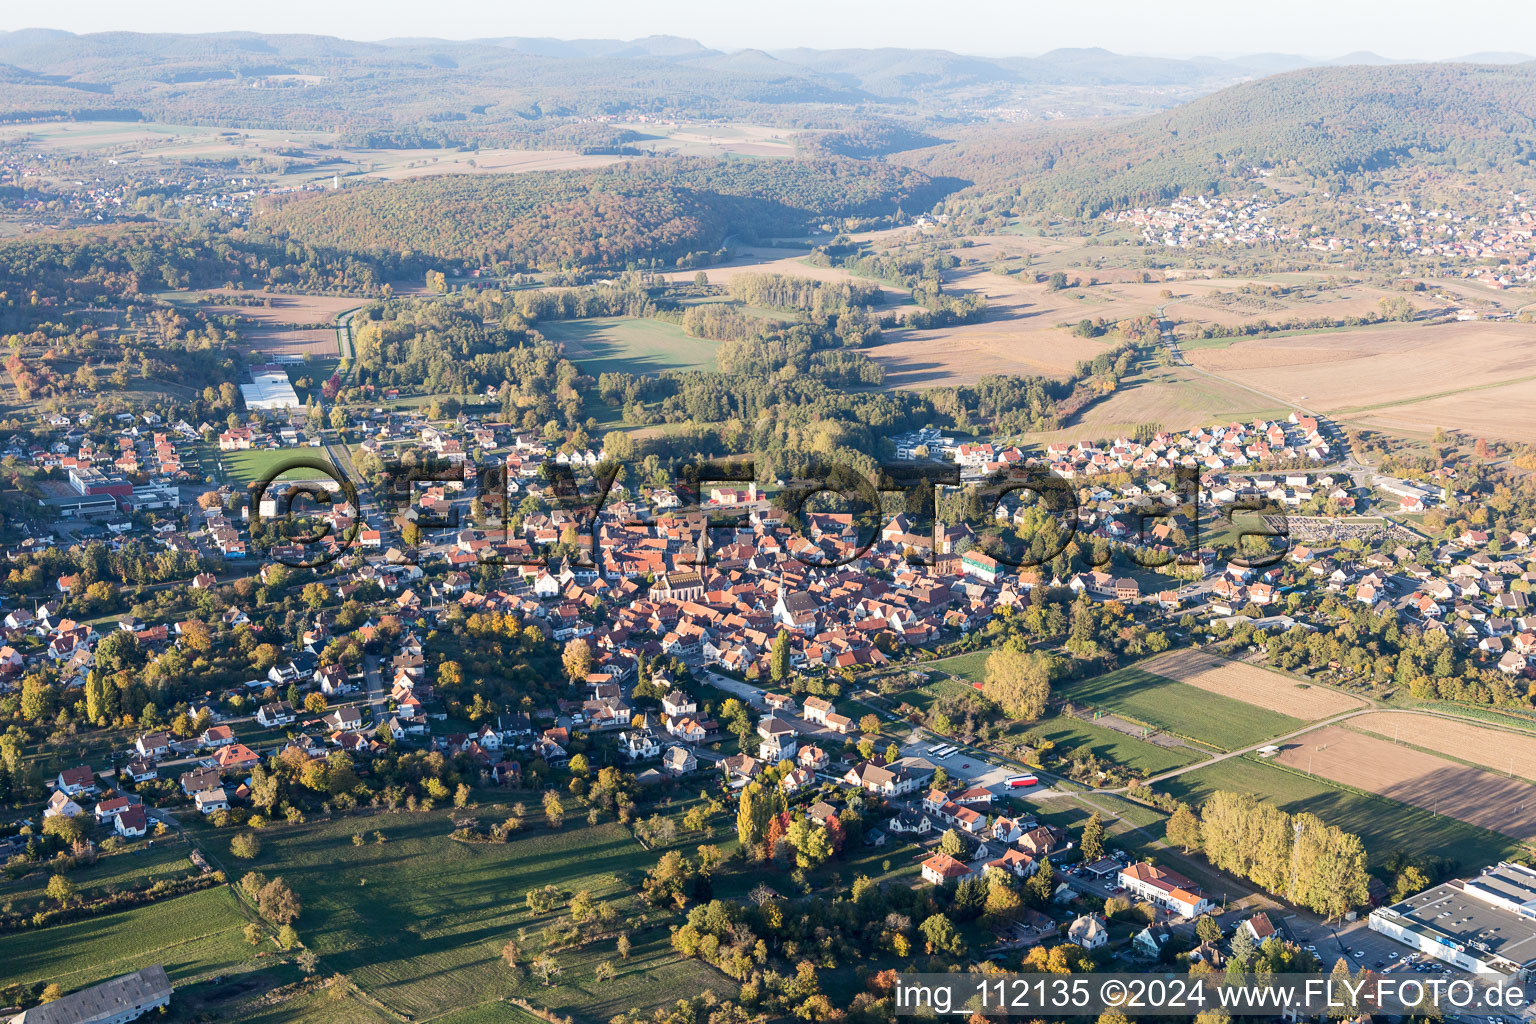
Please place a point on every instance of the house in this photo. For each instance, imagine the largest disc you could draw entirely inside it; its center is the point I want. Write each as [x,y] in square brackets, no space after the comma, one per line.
[61,805]
[816,710]
[210,800]
[274,714]
[218,736]
[1089,931]
[1014,861]
[777,740]
[131,822]
[194,782]
[639,742]
[812,758]
[679,760]
[141,770]
[108,808]
[740,769]
[915,823]
[942,869]
[1259,927]
[678,703]
[1164,888]
[1150,940]
[237,757]
[153,744]
[796,780]
[74,781]
[343,720]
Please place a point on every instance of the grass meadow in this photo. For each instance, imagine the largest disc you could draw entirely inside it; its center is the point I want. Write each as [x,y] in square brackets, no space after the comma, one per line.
[1384,825]
[631,345]
[1179,708]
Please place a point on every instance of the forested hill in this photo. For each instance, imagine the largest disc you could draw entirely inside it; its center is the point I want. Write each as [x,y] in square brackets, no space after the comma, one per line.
[1323,122]
[602,218]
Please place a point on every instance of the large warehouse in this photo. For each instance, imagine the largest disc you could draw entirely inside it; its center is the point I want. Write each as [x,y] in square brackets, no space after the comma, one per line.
[269,389]
[1486,925]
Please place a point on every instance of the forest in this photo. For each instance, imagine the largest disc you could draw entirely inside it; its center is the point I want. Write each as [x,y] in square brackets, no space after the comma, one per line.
[650,210]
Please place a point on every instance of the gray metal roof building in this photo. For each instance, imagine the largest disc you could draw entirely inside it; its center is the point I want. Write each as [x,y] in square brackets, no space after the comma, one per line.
[1486,925]
[112,1002]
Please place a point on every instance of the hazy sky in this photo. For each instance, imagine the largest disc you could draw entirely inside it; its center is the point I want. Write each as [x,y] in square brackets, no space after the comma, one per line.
[1321,28]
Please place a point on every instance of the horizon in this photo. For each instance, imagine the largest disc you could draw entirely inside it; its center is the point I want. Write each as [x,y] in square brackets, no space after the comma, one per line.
[1198,29]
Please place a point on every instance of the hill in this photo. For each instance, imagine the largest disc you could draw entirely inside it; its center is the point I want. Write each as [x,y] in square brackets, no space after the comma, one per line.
[597,218]
[1324,122]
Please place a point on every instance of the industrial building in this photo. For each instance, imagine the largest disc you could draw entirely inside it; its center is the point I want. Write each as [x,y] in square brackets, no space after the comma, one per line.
[112,1002]
[1485,925]
[269,389]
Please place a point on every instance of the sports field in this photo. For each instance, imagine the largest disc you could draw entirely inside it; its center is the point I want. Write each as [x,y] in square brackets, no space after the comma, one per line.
[1144,758]
[1179,708]
[1384,825]
[630,345]
[261,463]
[1252,684]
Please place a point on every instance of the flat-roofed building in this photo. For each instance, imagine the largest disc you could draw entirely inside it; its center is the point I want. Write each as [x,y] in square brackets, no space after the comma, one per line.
[269,389]
[1485,925]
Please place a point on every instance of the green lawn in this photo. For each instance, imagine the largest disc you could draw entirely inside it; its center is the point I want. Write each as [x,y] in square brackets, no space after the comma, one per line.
[261,463]
[1180,708]
[922,696]
[1137,755]
[193,936]
[972,667]
[1385,826]
[419,921]
[631,345]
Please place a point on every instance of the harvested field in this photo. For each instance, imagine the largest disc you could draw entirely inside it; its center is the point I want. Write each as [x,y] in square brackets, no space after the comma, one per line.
[1174,397]
[1252,685]
[1507,806]
[398,165]
[1411,371]
[1505,412]
[271,309]
[1501,750]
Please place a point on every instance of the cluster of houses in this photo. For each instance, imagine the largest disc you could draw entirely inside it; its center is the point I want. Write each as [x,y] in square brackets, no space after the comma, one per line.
[1460,242]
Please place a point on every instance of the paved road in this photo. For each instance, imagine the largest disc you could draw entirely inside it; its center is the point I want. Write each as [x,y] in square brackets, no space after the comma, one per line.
[373,681]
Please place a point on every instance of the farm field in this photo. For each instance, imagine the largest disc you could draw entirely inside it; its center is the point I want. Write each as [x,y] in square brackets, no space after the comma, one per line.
[1180,708]
[791,263]
[1173,397]
[429,941]
[274,309]
[631,345]
[1252,685]
[1500,750]
[1138,755]
[1413,777]
[1385,826]
[1407,374]
[193,936]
